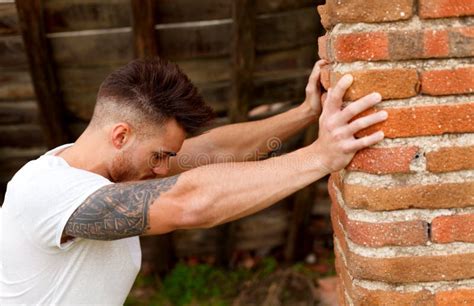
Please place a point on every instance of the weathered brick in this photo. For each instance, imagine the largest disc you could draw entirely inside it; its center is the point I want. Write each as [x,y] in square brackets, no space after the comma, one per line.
[390,83]
[364,297]
[323,47]
[445,8]
[445,229]
[404,233]
[351,11]
[448,82]
[461,42]
[446,195]
[455,297]
[384,160]
[450,159]
[405,44]
[424,121]
[435,43]
[371,46]
[405,269]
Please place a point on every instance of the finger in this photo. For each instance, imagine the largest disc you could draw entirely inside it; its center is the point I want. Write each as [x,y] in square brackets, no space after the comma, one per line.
[357,107]
[337,93]
[366,141]
[316,73]
[365,122]
[323,99]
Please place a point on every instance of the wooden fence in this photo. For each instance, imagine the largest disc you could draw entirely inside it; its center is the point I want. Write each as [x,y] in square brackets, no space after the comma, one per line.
[240,53]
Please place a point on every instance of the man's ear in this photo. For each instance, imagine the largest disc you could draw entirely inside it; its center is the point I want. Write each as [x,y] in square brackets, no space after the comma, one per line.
[120,134]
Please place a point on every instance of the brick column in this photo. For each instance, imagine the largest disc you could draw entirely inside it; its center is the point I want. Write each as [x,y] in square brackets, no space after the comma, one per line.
[403,210]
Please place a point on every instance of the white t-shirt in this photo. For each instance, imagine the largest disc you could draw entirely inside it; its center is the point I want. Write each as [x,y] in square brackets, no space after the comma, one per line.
[35,268]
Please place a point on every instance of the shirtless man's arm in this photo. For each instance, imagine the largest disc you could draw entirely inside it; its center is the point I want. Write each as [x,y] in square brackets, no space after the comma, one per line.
[218,193]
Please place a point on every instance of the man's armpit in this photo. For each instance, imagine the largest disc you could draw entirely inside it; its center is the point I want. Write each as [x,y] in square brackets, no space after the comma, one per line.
[117,211]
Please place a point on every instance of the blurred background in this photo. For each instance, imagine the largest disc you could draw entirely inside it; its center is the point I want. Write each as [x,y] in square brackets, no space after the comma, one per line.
[250,60]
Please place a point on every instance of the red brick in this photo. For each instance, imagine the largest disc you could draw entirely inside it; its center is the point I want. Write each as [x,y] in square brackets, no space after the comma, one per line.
[384,160]
[390,83]
[352,11]
[447,82]
[371,46]
[447,229]
[447,195]
[323,47]
[405,44]
[435,43]
[405,269]
[455,297]
[445,8]
[363,296]
[461,42]
[424,121]
[404,233]
[450,159]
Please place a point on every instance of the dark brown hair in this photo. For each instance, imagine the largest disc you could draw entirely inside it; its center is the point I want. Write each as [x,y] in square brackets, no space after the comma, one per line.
[158,90]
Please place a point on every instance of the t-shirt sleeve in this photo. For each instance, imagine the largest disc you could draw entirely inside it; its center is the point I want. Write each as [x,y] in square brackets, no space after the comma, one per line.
[52,198]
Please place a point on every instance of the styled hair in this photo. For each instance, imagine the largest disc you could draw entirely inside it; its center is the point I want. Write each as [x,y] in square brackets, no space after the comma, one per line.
[154,90]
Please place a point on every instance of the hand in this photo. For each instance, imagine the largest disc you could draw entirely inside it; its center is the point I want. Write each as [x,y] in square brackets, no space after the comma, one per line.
[336,144]
[312,102]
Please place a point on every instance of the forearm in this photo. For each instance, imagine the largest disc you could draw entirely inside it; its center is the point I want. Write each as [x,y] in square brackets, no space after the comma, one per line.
[248,139]
[219,193]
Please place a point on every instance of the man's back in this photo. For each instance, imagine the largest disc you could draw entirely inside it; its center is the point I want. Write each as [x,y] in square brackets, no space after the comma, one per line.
[35,267]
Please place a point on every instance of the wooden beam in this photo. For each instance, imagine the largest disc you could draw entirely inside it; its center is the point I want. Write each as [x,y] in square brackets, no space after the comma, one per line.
[144,20]
[243,58]
[30,16]
[297,243]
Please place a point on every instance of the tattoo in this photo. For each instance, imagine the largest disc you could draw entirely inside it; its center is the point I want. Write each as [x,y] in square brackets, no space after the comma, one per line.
[117,211]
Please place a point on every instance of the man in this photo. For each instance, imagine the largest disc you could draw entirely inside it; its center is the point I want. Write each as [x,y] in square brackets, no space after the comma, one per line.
[71,218]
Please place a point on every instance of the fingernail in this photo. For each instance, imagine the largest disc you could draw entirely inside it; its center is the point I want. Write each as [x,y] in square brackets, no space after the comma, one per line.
[377,96]
[383,114]
[381,134]
[348,78]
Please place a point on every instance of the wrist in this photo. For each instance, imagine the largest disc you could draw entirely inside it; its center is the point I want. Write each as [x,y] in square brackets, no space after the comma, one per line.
[307,112]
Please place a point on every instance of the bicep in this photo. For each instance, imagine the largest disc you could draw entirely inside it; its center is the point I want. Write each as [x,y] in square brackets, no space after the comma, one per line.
[118,211]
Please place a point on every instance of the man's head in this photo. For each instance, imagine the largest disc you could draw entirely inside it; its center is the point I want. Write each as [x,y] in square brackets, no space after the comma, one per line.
[145,109]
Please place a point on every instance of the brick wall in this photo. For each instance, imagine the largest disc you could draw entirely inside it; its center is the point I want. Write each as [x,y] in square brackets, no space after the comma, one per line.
[403,210]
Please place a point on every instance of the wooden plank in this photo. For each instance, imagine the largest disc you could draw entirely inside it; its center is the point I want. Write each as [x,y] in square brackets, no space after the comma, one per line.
[16,85]
[243,58]
[105,48]
[44,79]
[275,32]
[200,70]
[12,159]
[21,135]
[77,15]
[18,112]
[12,53]
[8,19]
[144,19]
[278,86]
[287,29]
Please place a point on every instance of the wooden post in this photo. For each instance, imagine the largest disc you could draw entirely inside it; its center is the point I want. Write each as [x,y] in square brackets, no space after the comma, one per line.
[144,20]
[243,58]
[48,96]
[158,251]
[303,201]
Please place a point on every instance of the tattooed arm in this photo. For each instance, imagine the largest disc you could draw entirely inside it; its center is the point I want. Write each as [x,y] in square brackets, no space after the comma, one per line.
[218,193]
[117,211]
